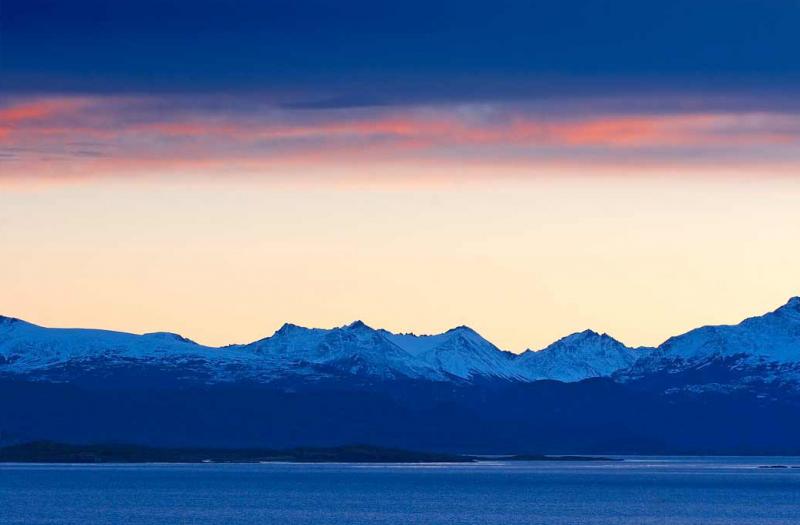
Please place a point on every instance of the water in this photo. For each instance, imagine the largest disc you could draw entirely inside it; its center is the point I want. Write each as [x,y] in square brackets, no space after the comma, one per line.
[638,491]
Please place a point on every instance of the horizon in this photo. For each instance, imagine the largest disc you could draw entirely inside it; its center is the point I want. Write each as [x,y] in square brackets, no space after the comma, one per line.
[544,237]
[792,300]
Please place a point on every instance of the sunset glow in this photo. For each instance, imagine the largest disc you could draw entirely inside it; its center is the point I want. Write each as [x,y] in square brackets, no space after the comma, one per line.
[410,167]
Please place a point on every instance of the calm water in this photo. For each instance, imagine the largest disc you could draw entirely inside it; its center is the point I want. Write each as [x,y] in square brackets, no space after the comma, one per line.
[638,491]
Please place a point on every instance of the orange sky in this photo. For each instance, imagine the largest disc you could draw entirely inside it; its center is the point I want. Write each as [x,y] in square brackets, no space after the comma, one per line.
[523,262]
[143,214]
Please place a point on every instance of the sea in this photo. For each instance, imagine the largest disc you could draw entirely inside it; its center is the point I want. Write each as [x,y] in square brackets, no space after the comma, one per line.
[636,491]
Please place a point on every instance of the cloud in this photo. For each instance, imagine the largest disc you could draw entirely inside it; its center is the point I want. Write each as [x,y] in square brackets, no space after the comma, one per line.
[66,137]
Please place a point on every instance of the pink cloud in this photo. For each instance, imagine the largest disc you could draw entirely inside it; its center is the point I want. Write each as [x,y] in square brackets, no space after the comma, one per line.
[80,137]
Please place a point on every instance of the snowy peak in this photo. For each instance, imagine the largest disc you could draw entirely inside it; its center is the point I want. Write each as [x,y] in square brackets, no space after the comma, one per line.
[288,328]
[793,303]
[355,349]
[763,346]
[758,350]
[417,344]
[53,352]
[289,331]
[772,337]
[290,343]
[7,323]
[578,356]
[468,336]
[464,330]
[791,310]
[466,355]
[359,349]
[169,336]
[357,325]
[580,341]
[459,353]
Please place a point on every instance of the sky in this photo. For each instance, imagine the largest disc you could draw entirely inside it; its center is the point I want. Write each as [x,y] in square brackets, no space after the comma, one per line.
[529,169]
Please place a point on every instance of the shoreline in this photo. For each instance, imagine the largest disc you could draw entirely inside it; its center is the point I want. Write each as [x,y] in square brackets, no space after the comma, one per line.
[62,453]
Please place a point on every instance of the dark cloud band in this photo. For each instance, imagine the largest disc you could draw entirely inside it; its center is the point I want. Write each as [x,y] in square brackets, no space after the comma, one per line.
[355,53]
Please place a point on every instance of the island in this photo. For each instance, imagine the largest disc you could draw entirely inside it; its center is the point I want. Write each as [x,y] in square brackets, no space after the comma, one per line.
[51,452]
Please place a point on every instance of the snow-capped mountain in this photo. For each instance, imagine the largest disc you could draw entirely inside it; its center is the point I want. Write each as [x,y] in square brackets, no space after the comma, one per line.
[760,349]
[460,352]
[579,356]
[354,349]
[764,349]
[736,388]
[773,337]
[29,349]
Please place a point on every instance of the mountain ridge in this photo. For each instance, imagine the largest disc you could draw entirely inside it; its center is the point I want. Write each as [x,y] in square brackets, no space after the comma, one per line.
[727,389]
[356,349]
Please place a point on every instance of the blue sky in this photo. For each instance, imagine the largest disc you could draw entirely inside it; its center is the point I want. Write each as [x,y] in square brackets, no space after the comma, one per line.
[343,53]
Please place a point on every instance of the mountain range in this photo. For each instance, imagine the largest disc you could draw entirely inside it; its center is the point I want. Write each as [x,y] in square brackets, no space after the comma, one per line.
[372,385]
[311,354]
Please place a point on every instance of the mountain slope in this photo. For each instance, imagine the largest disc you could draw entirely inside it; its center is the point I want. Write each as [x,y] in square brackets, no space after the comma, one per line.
[764,349]
[56,344]
[715,390]
[460,352]
[773,337]
[578,356]
[758,350]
